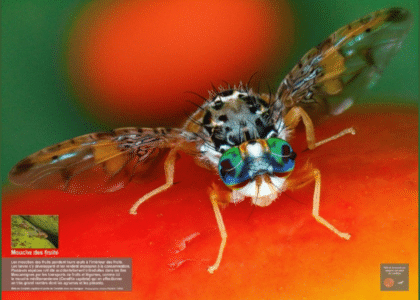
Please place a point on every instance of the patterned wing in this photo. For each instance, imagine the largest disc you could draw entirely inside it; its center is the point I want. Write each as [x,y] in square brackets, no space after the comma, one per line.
[99,162]
[327,78]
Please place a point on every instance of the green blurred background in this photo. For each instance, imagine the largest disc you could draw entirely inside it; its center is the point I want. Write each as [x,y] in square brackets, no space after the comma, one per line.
[38,107]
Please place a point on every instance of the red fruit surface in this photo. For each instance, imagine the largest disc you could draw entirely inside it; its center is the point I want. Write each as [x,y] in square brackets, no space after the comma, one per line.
[369,189]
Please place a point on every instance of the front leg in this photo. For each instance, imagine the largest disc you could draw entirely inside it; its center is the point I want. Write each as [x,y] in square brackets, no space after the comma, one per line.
[169,175]
[309,177]
[297,113]
[215,198]
[315,208]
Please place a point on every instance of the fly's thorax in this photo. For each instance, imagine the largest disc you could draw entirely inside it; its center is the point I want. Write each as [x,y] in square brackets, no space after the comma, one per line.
[233,116]
[257,169]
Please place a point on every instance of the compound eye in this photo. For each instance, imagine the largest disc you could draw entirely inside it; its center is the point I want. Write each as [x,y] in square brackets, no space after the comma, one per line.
[282,155]
[232,168]
[286,150]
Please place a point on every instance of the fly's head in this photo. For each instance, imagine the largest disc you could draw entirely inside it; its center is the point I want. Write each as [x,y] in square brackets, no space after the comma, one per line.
[257,169]
[246,142]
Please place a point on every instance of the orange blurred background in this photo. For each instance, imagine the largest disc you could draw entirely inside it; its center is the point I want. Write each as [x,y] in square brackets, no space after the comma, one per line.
[131,62]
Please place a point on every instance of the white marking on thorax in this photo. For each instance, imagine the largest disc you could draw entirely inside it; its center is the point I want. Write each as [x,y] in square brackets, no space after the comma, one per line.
[234,96]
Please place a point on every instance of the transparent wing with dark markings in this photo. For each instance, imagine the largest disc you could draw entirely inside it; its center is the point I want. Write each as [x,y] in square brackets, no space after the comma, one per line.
[330,76]
[98,162]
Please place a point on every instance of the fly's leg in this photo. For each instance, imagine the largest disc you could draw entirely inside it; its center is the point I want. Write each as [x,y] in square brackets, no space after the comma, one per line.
[336,136]
[223,234]
[315,209]
[297,113]
[169,174]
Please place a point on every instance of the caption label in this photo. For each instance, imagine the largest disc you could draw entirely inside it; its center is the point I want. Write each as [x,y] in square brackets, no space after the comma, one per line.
[67,274]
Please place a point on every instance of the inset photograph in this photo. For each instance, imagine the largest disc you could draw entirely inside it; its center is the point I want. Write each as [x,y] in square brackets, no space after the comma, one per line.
[34,232]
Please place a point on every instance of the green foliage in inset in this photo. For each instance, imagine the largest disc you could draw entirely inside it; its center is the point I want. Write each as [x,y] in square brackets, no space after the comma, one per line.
[47,223]
[27,236]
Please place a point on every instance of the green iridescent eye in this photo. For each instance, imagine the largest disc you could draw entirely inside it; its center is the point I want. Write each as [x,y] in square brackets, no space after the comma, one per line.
[282,154]
[232,169]
[234,156]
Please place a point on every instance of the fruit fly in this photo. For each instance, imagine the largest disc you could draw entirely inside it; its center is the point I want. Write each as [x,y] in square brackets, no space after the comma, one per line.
[238,133]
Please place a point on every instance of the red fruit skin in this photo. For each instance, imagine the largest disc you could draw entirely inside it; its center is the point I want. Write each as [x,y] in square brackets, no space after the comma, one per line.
[369,189]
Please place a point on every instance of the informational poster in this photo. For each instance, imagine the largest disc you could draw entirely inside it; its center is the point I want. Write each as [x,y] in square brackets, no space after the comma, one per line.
[247,149]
